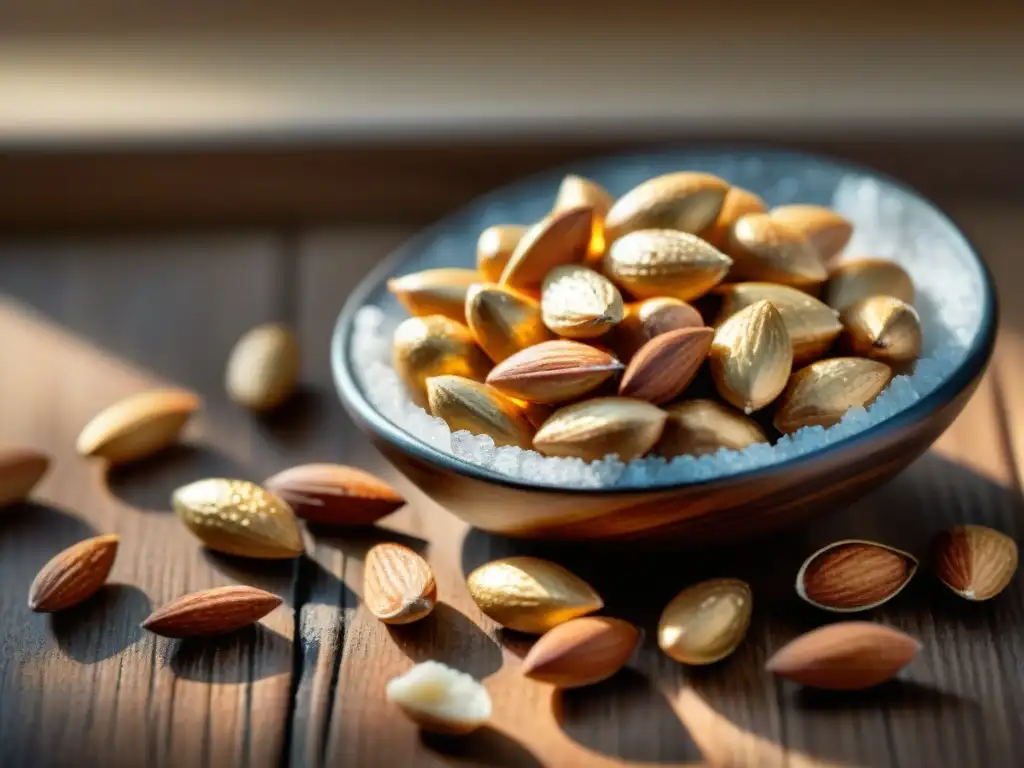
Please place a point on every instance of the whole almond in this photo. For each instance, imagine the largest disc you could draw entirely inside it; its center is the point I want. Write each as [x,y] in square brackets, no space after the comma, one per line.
[578,192]
[883,328]
[435,346]
[687,201]
[435,292]
[237,517]
[822,393]
[561,238]
[335,494]
[652,263]
[700,427]
[974,561]
[827,230]
[73,575]
[440,699]
[212,612]
[767,250]
[398,584]
[263,367]
[643,320]
[530,595]
[503,321]
[854,575]
[581,652]
[479,408]
[554,372]
[855,279]
[738,202]
[579,303]
[850,655]
[495,248]
[596,428]
[706,622]
[138,426]
[666,365]
[20,470]
[751,357]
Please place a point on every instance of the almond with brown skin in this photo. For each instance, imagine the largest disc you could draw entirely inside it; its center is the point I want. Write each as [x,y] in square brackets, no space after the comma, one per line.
[827,230]
[652,263]
[73,575]
[504,321]
[643,320]
[554,372]
[562,238]
[766,250]
[974,561]
[495,248]
[666,365]
[851,280]
[479,408]
[604,425]
[212,612]
[138,426]
[822,393]
[687,201]
[700,427]
[751,357]
[883,328]
[398,584]
[435,346]
[738,202]
[21,469]
[335,494]
[581,652]
[854,575]
[435,292]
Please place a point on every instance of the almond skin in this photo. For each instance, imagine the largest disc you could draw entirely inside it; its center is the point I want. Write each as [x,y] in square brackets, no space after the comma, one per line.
[554,372]
[503,321]
[652,263]
[581,652]
[435,291]
[687,201]
[435,346]
[643,320]
[883,328]
[21,469]
[578,192]
[847,656]
[212,612]
[821,393]
[699,427]
[851,280]
[334,494]
[495,248]
[827,230]
[73,575]
[666,365]
[480,409]
[706,622]
[974,561]
[766,250]
[398,584]
[579,303]
[752,357]
[138,426]
[605,425]
[738,202]
[263,367]
[562,238]
[854,575]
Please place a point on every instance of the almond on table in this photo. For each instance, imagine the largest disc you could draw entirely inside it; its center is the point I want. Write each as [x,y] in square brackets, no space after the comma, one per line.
[21,469]
[73,575]
[581,652]
[854,575]
[975,561]
[335,494]
[263,367]
[212,612]
[398,584]
[138,426]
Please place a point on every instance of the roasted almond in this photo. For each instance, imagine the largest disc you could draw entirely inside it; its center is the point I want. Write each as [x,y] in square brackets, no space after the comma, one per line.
[334,494]
[495,248]
[883,328]
[666,365]
[212,612]
[652,263]
[435,346]
[827,230]
[578,192]
[480,408]
[441,699]
[530,595]
[561,238]
[846,656]
[706,622]
[20,470]
[856,279]
[435,292]
[73,575]
[738,202]
[581,652]
[398,584]
[854,575]
[504,321]
[687,201]
[237,517]
[700,427]
[974,561]
[821,393]
[554,372]
[765,249]
[643,320]
[596,428]
[263,367]
[579,303]
[138,426]
[751,357]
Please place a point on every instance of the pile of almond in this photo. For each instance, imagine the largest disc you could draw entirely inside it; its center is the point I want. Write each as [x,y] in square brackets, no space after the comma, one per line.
[682,318]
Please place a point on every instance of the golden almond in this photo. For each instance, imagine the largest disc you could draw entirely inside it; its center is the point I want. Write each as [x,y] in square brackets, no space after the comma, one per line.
[398,584]
[531,595]
[766,250]
[854,575]
[827,230]
[561,238]
[700,427]
[812,325]
[974,561]
[662,262]
[596,428]
[435,346]
[666,365]
[581,652]
[495,247]
[503,321]
[554,372]
[856,279]
[73,575]
[686,201]
[237,517]
[579,303]
[263,368]
[706,622]
[441,699]
[738,202]
[751,357]
[435,292]
[578,192]
[212,612]
[821,393]
[21,469]
[847,656]
[138,426]
[334,494]
[479,408]
[643,320]
[883,328]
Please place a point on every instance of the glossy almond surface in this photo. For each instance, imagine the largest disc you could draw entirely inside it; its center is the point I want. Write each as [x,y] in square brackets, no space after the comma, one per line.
[851,280]
[738,202]
[581,652]
[435,346]
[766,250]
[822,393]
[73,575]
[554,372]
[595,428]
[578,192]
[688,201]
[435,291]
[706,622]
[495,247]
[561,238]
[883,328]
[212,612]
[653,263]
[751,357]
[479,408]
[643,320]
[335,494]
[579,303]
[662,369]
[504,321]
[699,427]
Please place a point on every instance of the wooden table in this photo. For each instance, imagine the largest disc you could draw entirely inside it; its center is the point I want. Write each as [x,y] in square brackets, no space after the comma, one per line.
[87,320]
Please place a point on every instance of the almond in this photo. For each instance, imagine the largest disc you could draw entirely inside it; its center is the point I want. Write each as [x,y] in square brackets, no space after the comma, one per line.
[562,238]
[581,652]
[21,469]
[666,365]
[687,201]
[554,372]
[495,248]
[441,699]
[578,192]
[767,250]
[435,346]
[738,202]
[856,279]
[822,393]
[643,320]
[596,428]
[706,622]
[435,292]
[398,585]
[479,408]
[530,595]
[846,656]
[73,575]
[701,427]
[751,357]
[237,517]
[334,494]
[212,612]
[138,426]
[827,230]
[652,263]
[883,328]
[503,321]
[854,575]
[263,367]
[579,303]
[974,561]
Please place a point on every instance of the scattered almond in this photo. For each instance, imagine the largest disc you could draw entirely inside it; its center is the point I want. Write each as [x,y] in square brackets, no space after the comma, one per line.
[263,367]
[21,469]
[212,612]
[666,365]
[604,425]
[974,561]
[138,426]
[503,321]
[764,249]
[435,346]
[854,575]
[827,230]
[495,248]
[73,575]
[435,292]
[441,699]
[883,328]
[578,192]
[334,494]
[738,202]
[643,320]
[822,393]
[706,622]
[579,303]
[653,263]
[581,652]
[554,372]
[687,201]
[398,584]
[751,357]
[856,279]
[701,427]
[480,408]
[561,238]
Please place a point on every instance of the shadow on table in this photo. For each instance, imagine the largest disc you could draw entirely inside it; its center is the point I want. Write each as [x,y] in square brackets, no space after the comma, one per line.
[31,533]
[448,636]
[296,420]
[486,746]
[250,654]
[102,626]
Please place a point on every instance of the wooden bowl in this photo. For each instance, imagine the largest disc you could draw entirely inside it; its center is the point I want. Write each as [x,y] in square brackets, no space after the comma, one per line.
[739,504]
